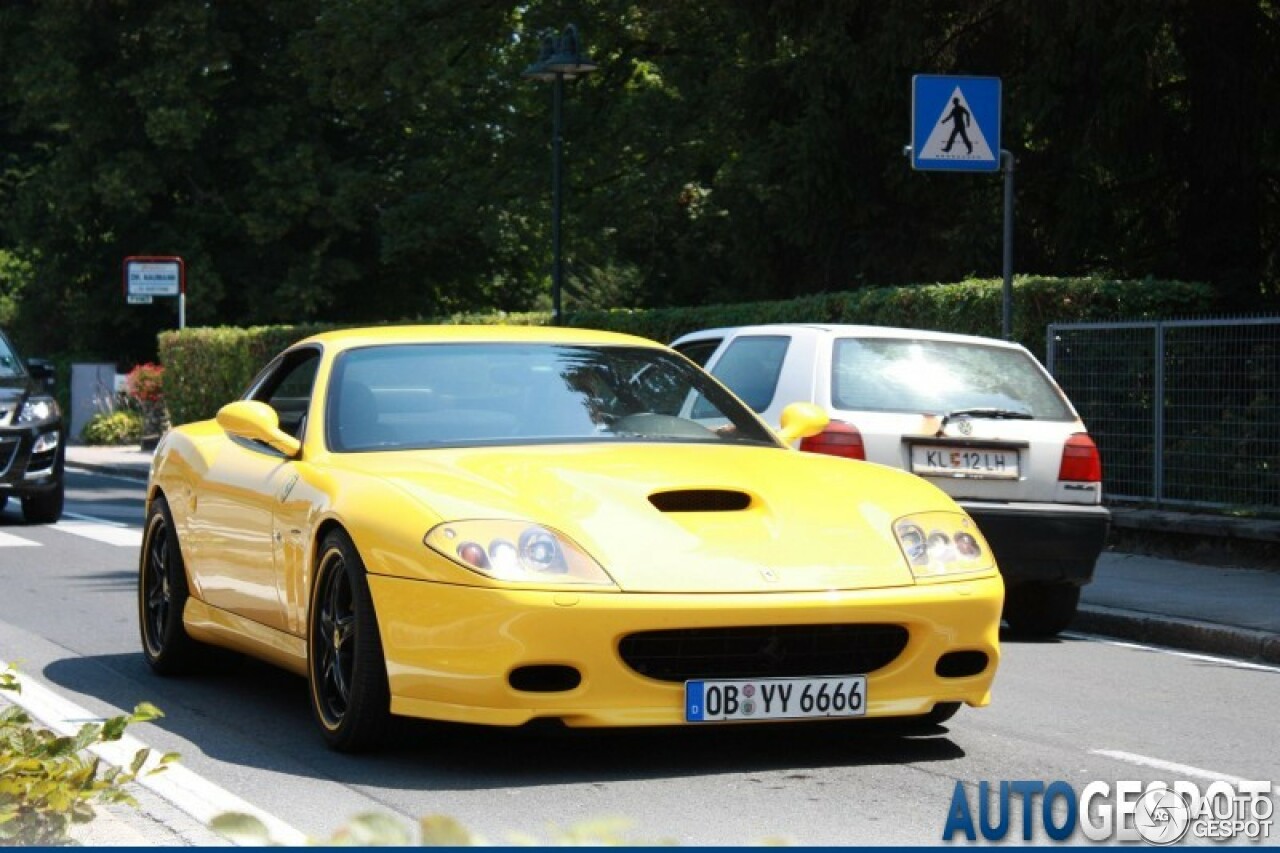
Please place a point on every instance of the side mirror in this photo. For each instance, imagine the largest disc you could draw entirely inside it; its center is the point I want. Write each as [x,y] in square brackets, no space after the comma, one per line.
[42,371]
[257,422]
[802,420]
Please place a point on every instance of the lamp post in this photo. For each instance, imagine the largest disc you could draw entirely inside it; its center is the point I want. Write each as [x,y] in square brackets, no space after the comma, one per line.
[561,58]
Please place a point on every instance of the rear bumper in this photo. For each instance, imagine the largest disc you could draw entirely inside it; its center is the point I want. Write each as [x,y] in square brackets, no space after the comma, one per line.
[1043,543]
[450,649]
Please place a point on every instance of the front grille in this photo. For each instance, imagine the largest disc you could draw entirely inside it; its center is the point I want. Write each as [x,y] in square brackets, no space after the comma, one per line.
[771,651]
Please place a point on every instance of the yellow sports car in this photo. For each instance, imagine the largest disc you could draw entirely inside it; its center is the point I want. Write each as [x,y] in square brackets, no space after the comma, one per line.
[496,525]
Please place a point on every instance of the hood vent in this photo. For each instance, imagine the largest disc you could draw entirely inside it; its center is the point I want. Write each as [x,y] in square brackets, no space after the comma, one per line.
[701,500]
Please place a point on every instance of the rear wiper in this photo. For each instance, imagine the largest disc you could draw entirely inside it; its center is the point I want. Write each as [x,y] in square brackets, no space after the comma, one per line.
[984,412]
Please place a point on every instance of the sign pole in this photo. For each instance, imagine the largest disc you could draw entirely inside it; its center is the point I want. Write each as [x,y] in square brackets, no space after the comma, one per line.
[1006,160]
[182,309]
[955,127]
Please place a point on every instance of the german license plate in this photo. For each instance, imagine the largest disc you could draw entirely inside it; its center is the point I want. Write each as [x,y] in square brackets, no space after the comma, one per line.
[775,698]
[940,461]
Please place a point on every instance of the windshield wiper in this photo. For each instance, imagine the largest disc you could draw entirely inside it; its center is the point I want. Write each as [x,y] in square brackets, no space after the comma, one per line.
[984,412]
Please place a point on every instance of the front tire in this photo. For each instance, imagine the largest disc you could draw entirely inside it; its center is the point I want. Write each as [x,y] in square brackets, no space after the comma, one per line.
[44,507]
[162,596]
[1040,611]
[346,669]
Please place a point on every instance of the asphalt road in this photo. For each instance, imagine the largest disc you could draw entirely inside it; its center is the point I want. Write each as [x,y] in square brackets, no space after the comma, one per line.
[1077,709]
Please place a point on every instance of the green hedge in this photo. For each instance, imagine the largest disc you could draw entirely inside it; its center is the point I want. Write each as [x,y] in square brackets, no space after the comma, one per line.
[205,368]
[969,307]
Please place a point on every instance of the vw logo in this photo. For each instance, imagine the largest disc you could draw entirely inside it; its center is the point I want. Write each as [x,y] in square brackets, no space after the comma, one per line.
[965,426]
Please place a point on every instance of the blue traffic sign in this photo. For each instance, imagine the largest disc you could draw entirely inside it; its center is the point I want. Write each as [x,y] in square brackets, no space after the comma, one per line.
[955,123]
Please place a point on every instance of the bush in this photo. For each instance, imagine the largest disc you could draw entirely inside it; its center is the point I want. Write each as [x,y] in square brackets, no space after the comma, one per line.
[210,367]
[49,782]
[123,426]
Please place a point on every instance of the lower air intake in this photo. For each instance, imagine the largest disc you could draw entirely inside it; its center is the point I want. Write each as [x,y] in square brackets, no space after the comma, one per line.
[771,651]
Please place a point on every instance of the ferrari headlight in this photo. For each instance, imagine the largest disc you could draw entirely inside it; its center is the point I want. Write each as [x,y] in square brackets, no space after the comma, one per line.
[37,410]
[515,551]
[940,544]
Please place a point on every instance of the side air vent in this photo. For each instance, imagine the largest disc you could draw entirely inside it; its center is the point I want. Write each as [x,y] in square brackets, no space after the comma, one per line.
[700,500]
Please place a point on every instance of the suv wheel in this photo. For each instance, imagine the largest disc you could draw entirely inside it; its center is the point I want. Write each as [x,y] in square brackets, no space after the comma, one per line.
[44,507]
[1040,610]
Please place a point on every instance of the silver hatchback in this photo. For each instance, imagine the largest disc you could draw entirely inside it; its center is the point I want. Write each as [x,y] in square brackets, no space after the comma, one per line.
[978,417]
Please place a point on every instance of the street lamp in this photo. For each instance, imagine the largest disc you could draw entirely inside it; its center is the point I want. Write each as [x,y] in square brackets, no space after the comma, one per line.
[561,58]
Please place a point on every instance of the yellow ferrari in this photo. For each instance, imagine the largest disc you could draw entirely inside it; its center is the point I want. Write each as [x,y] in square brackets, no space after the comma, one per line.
[496,525]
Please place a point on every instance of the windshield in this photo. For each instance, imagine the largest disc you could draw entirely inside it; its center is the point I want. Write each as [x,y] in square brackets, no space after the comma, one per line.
[938,377]
[407,396]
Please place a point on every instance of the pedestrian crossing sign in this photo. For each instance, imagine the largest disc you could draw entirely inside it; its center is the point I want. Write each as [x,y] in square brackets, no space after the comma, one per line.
[955,123]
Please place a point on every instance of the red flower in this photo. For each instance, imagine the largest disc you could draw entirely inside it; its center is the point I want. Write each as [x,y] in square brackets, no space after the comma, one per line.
[146,383]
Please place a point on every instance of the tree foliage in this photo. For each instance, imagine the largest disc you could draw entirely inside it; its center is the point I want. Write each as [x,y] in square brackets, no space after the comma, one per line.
[320,160]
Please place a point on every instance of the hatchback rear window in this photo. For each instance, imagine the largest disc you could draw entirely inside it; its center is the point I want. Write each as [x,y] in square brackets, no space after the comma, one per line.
[935,377]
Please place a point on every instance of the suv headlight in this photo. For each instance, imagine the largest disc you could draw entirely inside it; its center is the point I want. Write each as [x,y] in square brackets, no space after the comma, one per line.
[38,410]
[938,544]
[511,550]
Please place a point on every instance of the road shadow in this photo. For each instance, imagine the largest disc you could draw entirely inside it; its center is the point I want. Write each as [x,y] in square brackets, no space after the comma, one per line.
[254,715]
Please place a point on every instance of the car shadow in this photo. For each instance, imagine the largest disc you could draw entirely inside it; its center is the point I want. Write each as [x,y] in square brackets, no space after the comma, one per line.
[254,715]
[1008,635]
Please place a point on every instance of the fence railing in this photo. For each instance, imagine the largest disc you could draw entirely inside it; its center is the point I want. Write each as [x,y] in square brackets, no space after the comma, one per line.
[1184,412]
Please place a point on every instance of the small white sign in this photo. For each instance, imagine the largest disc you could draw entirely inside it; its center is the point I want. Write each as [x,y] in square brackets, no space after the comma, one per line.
[153,278]
[136,299]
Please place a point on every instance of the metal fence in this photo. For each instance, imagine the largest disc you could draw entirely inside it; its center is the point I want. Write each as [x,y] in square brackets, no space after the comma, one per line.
[1184,412]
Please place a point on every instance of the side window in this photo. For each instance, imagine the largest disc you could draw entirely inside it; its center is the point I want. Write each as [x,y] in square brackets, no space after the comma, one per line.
[750,367]
[699,351]
[287,389]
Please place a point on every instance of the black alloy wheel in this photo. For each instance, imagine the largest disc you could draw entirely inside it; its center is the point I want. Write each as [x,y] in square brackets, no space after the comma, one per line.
[162,595]
[345,665]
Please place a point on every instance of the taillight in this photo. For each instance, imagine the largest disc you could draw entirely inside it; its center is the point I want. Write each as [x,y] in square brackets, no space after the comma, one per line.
[1080,460]
[838,439]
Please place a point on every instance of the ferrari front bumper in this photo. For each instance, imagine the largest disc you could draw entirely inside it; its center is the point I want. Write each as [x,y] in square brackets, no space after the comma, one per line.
[450,650]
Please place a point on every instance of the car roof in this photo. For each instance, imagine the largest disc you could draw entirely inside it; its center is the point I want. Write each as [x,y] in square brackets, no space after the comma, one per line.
[425,334]
[849,330]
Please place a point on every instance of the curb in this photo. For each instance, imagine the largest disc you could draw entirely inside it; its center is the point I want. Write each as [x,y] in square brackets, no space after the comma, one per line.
[1179,633]
[1196,524]
[128,472]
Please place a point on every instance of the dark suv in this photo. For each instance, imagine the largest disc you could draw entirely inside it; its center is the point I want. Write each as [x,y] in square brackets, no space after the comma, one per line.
[33,437]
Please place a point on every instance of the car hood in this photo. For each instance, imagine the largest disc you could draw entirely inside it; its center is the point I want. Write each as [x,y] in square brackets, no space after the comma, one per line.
[810,523]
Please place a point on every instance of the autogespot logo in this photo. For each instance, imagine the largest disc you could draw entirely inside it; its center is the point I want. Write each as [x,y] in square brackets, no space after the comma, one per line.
[1161,816]
[1157,813]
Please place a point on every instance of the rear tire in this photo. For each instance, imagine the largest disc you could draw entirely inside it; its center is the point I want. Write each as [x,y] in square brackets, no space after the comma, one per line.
[1040,610]
[44,507]
[162,596]
[346,668]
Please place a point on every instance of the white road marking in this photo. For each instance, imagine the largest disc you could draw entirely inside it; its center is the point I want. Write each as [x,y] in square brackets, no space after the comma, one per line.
[85,526]
[1180,771]
[1196,656]
[94,518]
[8,540]
[102,532]
[190,792]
